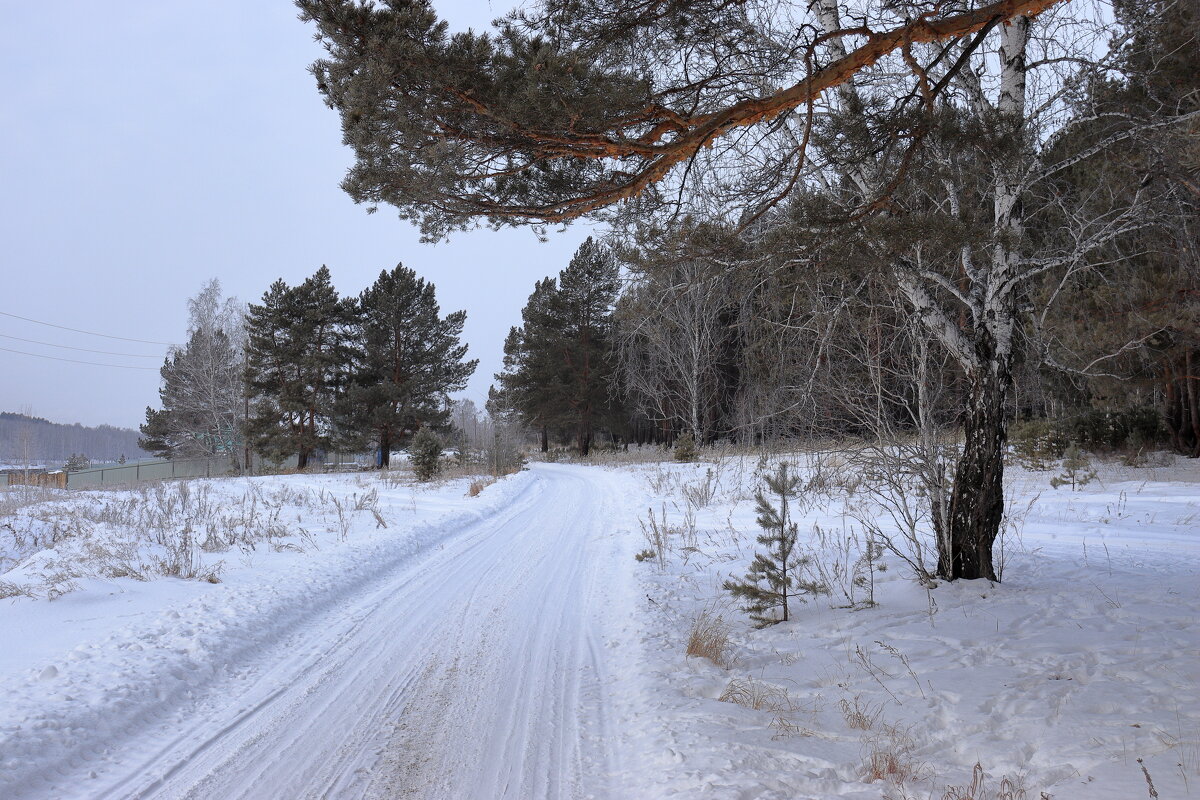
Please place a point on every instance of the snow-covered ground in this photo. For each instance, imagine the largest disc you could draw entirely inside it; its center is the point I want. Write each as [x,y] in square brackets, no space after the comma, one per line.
[1084,660]
[372,638]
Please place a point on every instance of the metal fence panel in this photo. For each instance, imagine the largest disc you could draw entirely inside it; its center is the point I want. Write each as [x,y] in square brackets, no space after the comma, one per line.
[125,474]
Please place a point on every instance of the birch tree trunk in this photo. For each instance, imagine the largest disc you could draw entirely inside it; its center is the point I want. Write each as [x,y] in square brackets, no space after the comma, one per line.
[977,500]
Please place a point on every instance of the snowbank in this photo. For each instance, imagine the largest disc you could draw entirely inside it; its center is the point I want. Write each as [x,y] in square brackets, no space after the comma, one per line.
[81,672]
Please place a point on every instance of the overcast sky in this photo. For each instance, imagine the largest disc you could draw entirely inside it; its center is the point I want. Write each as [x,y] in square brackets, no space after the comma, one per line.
[149,145]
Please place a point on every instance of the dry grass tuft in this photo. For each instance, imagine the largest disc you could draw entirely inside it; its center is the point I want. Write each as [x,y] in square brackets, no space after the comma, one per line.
[888,765]
[891,757]
[1009,788]
[859,714]
[8,590]
[709,638]
[774,700]
[658,535]
[759,696]
[478,485]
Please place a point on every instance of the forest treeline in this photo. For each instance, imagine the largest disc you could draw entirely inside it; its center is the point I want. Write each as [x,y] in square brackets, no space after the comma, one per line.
[32,440]
[814,321]
[307,371]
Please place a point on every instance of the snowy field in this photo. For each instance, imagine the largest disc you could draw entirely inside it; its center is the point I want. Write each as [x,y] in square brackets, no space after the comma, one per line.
[1084,660]
[349,636]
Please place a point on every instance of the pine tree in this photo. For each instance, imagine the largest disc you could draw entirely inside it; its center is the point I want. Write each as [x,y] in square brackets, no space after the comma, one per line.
[1076,469]
[297,360]
[685,448]
[426,454]
[777,575]
[533,382]
[77,462]
[156,435]
[587,294]
[408,360]
[559,365]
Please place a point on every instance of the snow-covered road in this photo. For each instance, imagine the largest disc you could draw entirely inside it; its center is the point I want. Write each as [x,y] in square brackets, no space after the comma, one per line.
[472,669]
[507,644]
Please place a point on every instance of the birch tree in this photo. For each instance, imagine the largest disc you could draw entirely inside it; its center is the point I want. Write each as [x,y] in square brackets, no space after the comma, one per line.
[203,386]
[671,339]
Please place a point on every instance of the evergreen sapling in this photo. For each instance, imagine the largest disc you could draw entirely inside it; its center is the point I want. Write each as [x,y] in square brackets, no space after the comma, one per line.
[77,462]
[685,448]
[426,453]
[1077,469]
[776,576]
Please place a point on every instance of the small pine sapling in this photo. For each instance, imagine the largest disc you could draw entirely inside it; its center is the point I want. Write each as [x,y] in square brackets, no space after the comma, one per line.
[76,462]
[1077,469]
[776,576]
[426,453]
[685,448]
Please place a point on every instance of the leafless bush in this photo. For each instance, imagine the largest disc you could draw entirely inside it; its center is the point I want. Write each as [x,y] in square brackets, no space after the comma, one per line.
[395,478]
[865,660]
[703,491]
[343,517]
[908,537]
[661,479]
[846,563]
[182,560]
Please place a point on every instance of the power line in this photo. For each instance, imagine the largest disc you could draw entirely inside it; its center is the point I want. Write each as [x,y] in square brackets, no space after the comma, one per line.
[82,349]
[75,361]
[89,333]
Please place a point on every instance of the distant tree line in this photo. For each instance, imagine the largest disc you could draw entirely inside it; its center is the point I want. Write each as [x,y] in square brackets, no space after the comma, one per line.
[26,439]
[306,370]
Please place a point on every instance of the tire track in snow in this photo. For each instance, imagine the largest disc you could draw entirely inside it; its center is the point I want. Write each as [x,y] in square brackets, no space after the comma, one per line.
[474,671]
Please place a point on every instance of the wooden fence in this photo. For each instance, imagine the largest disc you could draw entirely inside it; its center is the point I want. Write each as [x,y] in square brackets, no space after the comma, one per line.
[51,480]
